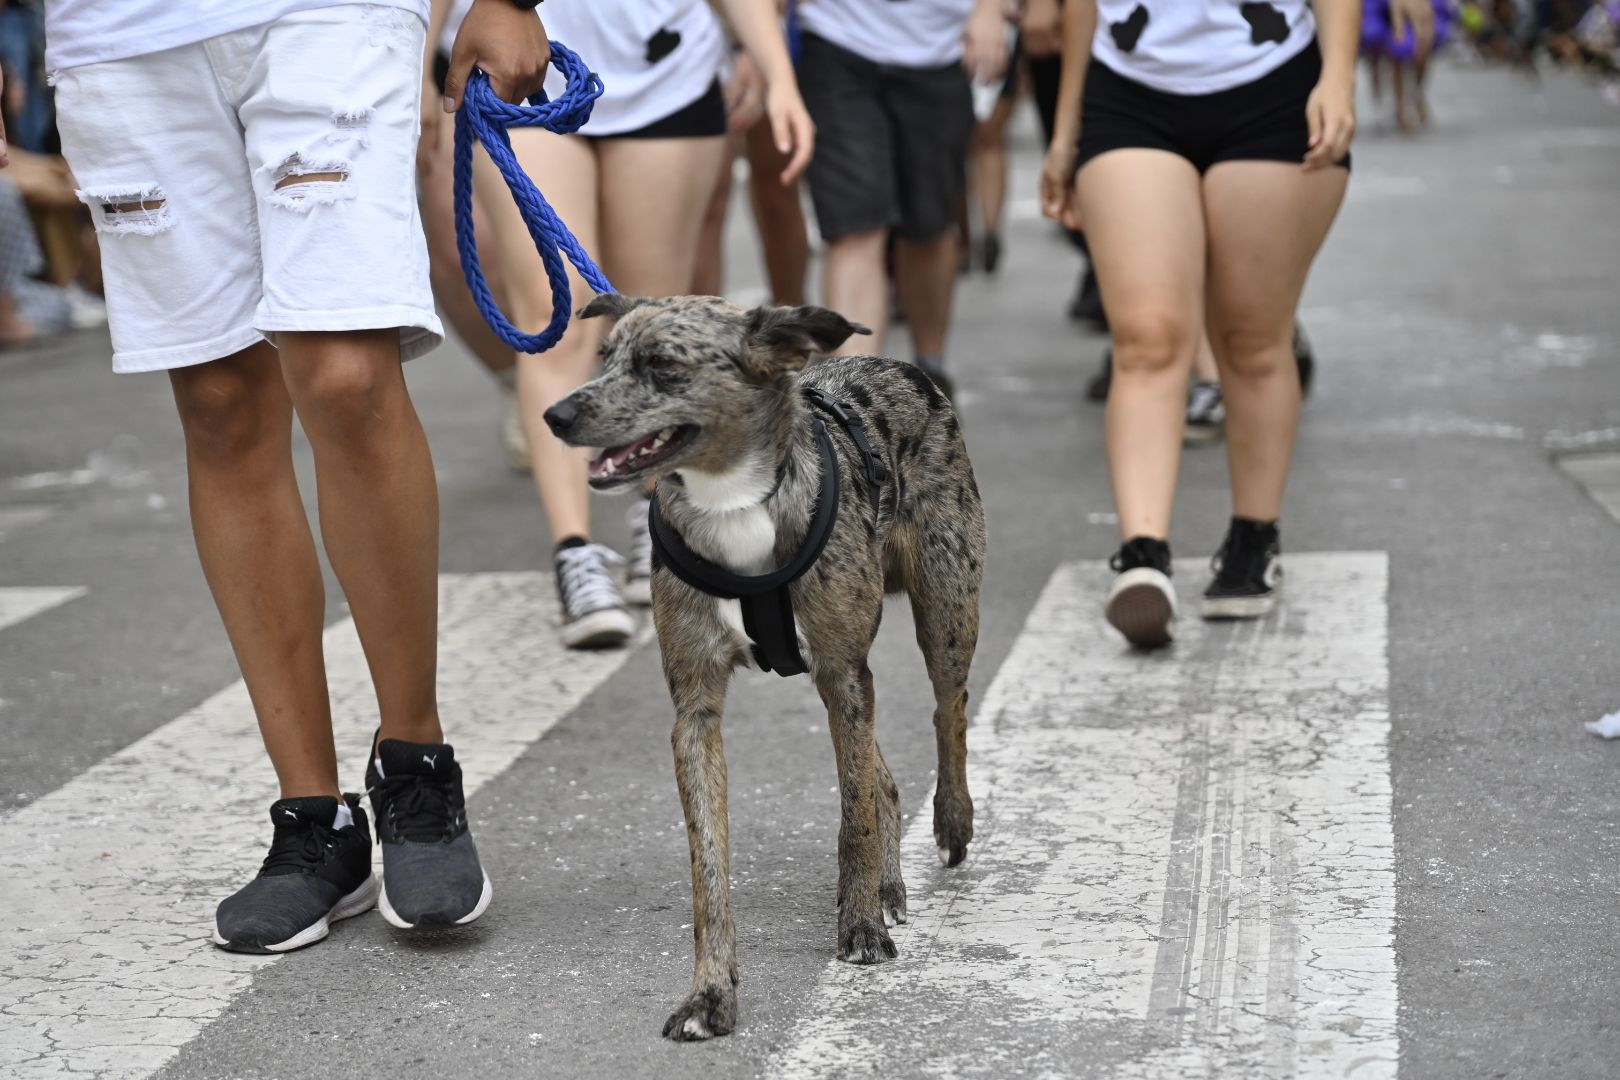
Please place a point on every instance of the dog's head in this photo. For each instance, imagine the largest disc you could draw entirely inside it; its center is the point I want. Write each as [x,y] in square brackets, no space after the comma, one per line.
[688,381]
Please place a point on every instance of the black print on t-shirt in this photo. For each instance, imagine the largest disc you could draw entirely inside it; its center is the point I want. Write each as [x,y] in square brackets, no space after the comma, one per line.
[1266,23]
[662,44]
[1127,33]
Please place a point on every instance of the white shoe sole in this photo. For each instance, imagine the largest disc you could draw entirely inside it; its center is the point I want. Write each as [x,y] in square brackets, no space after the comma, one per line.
[1141,605]
[638,591]
[362,900]
[394,919]
[610,626]
[1239,607]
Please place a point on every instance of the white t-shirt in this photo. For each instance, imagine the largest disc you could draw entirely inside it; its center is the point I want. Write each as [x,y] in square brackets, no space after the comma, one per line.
[1200,46]
[905,33]
[91,31]
[655,57]
[452,25]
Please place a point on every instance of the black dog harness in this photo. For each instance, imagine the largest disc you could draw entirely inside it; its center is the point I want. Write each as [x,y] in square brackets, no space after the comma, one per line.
[767,605]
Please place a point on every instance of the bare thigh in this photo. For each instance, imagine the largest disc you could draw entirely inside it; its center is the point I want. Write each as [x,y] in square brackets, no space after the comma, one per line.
[653,195]
[1266,222]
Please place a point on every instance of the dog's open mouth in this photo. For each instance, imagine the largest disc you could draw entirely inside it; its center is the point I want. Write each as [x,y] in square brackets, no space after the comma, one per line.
[618,463]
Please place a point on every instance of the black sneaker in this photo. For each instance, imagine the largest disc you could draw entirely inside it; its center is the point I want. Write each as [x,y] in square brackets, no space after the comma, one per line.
[1142,602]
[935,370]
[1206,412]
[1098,385]
[313,876]
[431,874]
[1248,572]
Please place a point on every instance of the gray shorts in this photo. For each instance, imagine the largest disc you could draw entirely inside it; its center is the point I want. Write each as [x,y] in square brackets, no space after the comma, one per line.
[891,142]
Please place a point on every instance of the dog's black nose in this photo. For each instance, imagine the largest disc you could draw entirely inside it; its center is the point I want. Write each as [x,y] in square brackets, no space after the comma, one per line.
[560,417]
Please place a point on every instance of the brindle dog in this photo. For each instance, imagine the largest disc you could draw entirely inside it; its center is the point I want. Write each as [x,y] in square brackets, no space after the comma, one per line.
[706,397]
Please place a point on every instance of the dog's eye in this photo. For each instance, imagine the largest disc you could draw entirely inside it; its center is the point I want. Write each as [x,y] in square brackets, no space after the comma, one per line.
[657,362]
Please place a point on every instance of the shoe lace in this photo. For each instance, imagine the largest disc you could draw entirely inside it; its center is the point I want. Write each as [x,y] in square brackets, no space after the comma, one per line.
[422,809]
[641,545]
[584,580]
[299,848]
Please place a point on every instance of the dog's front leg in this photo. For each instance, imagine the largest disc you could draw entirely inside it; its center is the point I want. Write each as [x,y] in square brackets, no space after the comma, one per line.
[700,770]
[851,716]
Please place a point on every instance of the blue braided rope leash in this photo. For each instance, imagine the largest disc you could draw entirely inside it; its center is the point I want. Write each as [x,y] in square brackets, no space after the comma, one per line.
[485,118]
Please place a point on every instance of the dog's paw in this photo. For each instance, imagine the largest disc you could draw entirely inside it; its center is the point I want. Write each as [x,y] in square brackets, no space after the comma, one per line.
[866,942]
[892,895]
[704,1014]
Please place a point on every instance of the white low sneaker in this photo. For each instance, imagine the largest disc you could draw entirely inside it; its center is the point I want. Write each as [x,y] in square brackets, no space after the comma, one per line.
[593,613]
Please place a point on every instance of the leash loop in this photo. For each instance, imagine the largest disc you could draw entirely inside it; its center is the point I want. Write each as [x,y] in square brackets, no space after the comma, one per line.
[485,118]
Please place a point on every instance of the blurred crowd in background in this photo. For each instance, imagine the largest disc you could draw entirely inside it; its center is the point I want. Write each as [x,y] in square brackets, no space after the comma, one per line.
[49,268]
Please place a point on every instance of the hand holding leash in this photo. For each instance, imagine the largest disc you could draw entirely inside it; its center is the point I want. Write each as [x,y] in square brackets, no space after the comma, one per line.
[484,117]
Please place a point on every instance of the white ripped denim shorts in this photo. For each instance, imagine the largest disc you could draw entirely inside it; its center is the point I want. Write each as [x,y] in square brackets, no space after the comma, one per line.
[256,182]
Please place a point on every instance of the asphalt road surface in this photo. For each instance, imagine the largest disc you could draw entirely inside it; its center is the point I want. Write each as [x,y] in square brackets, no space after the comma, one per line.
[1369,835]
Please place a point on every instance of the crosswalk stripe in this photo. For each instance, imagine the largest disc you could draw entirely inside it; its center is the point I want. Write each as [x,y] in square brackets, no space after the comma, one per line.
[1184,861]
[24,602]
[108,884]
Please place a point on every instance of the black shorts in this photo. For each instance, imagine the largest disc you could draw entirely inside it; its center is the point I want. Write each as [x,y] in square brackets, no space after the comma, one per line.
[1259,121]
[891,142]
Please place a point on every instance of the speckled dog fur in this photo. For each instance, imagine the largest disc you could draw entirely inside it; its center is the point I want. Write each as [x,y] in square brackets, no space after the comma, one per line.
[728,381]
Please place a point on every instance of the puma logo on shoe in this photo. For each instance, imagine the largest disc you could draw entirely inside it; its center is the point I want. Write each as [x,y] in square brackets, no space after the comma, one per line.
[432,760]
[290,813]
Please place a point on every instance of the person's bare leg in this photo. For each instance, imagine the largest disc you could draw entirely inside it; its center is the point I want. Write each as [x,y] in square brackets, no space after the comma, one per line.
[1145,226]
[988,161]
[1204,366]
[379,507]
[1266,221]
[650,229]
[856,285]
[784,235]
[258,555]
[709,266]
[925,278]
[565,168]
[436,187]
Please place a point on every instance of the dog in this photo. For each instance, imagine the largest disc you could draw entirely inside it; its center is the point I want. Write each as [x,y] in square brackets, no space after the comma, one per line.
[711,400]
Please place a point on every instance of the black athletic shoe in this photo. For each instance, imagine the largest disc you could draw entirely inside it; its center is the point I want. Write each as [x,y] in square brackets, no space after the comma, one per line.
[431,874]
[1248,572]
[1305,359]
[1087,305]
[1097,388]
[1141,603]
[313,876]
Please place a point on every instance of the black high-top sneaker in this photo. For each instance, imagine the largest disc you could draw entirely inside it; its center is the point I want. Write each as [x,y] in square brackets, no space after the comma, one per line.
[1248,572]
[313,876]
[431,874]
[1142,603]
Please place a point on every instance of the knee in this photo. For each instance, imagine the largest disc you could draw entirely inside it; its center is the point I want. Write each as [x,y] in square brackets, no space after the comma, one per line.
[341,394]
[1251,352]
[225,409]
[1150,343]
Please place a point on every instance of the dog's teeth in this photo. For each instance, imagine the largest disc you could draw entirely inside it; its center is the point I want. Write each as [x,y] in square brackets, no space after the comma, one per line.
[608,467]
[666,435]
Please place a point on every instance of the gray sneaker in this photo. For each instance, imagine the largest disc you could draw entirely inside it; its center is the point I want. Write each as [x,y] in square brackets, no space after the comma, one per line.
[431,874]
[638,574]
[313,876]
[593,612]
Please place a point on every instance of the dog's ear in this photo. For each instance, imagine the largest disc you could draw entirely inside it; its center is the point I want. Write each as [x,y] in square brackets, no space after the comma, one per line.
[612,304]
[787,336]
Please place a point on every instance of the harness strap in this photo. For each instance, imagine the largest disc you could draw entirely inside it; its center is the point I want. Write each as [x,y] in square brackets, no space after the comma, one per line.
[767,603]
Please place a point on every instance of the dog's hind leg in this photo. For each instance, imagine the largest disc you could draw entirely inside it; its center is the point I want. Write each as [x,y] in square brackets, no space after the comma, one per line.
[851,714]
[700,770]
[945,605]
[891,886]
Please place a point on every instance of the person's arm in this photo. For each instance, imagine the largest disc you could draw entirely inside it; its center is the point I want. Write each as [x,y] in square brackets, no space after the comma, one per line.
[507,43]
[4,160]
[1417,18]
[1057,178]
[984,45]
[1042,27]
[1330,111]
[432,111]
[755,24]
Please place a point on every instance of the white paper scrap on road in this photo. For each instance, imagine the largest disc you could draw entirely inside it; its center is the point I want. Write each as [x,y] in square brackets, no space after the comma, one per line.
[1608,727]
[108,905]
[1184,861]
[24,602]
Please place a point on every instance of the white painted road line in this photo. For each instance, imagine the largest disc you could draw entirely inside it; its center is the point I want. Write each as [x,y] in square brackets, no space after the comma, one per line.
[108,885]
[24,602]
[1184,861]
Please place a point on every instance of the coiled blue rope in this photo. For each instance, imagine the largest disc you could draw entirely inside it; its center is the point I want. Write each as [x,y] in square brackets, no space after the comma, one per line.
[484,118]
